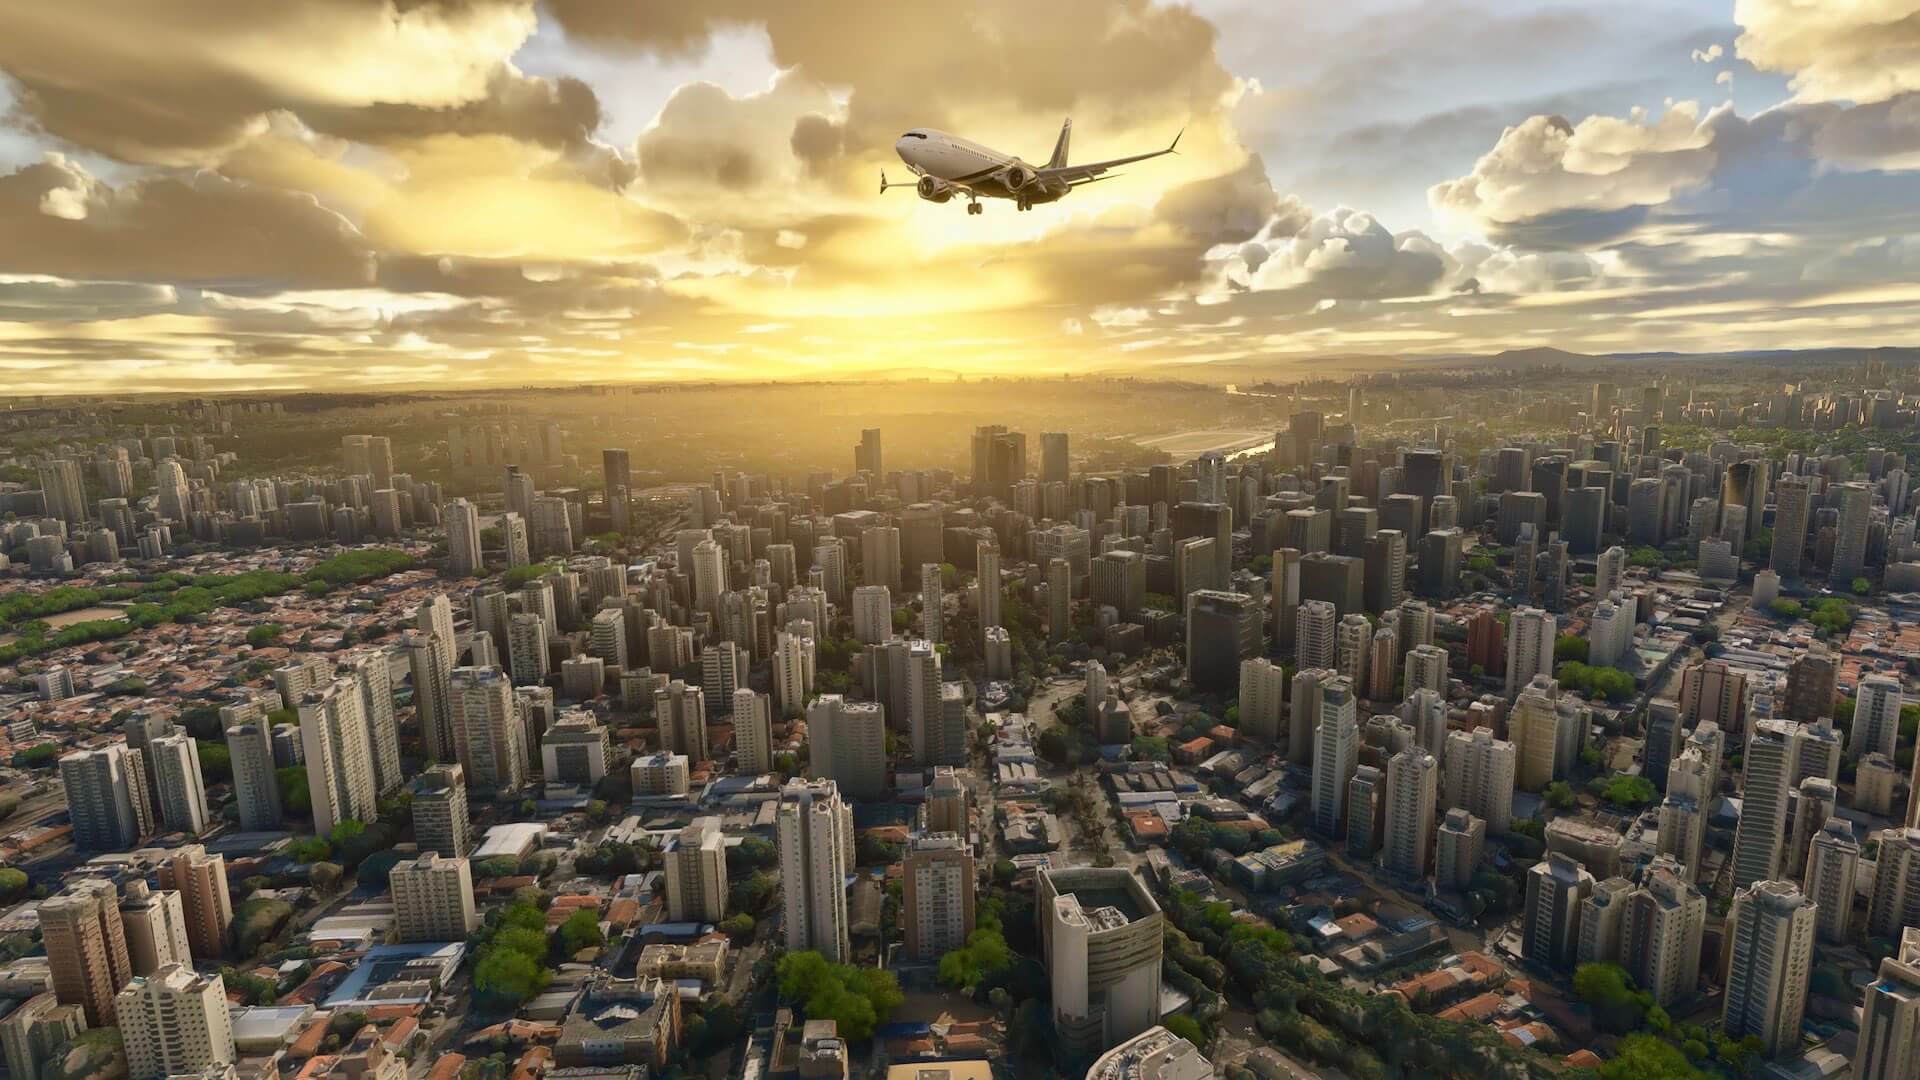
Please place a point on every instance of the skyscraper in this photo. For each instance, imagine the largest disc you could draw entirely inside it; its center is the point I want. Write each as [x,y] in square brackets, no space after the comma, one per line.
[155,927]
[1336,749]
[937,898]
[462,520]
[175,1022]
[680,709]
[1876,716]
[752,731]
[333,734]
[987,558]
[846,743]
[86,948]
[433,898]
[1262,697]
[201,881]
[440,822]
[255,788]
[1551,926]
[1531,635]
[1888,1047]
[1895,901]
[617,475]
[1768,768]
[815,833]
[372,674]
[1850,537]
[1223,628]
[1315,643]
[867,456]
[1479,776]
[1832,865]
[1790,513]
[1412,786]
[488,729]
[1054,464]
[697,873]
[1660,933]
[1458,846]
[1101,934]
[1769,938]
[99,803]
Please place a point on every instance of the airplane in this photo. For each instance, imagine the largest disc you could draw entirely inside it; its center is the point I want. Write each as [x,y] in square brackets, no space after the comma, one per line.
[948,165]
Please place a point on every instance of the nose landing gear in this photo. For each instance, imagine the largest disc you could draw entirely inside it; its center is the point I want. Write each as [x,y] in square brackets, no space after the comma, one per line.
[974,207]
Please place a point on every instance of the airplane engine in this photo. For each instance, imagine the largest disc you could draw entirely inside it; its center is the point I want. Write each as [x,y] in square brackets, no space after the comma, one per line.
[1018,175]
[934,189]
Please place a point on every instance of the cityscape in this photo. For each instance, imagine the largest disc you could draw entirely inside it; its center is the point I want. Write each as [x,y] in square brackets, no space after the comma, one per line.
[1416,724]
[621,540]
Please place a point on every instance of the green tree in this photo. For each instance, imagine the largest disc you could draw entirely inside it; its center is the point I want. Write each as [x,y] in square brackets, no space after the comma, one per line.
[1617,1007]
[1187,1028]
[216,763]
[858,1000]
[1861,586]
[581,931]
[12,883]
[1571,647]
[264,634]
[1647,1057]
[1559,795]
[510,976]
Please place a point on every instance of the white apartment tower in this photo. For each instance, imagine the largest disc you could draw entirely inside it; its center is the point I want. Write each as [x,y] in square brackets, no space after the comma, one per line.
[1769,940]
[815,833]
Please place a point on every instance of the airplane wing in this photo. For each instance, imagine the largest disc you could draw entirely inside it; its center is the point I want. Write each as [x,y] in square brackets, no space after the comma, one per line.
[1075,174]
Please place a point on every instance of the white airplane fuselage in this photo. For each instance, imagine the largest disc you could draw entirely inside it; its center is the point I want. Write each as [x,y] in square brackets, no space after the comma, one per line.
[981,170]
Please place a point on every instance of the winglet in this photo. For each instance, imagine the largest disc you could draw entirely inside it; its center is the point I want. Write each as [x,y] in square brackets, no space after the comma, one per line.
[1176,140]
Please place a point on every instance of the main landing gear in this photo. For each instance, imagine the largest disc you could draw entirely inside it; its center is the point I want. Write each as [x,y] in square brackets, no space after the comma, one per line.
[975,207]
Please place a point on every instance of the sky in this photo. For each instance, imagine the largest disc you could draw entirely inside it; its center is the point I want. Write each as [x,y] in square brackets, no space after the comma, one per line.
[372,194]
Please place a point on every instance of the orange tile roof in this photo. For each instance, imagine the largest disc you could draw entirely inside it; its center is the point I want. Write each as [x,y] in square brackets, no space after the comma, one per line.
[308,1044]
[447,1067]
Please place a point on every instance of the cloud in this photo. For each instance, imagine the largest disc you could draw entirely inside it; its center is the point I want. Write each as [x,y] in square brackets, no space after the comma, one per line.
[1862,51]
[1709,54]
[57,219]
[176,82]
[1228,208]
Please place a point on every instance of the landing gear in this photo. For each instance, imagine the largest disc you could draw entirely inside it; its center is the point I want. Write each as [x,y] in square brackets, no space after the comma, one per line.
[1024,205]
[974,208]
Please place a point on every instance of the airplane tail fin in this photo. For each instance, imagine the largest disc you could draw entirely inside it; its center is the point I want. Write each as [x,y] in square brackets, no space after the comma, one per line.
[1059,158]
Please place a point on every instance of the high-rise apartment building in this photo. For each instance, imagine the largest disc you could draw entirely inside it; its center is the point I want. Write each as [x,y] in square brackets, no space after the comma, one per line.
[462,520]
[154,925]
[433,898]
[100,798]
[814,828]
[1458,846]
[1850,536]
[1550,928]
[1661,931]
[86,947]
[372,674]
[697,873]
[1876,716]
[752,731]
[1314,638]
[1791,503]
[680,709]
[1769,942]
[1479,776]
[1833,862]
[1263,694]
[1100,932]
[1531,635]
[256,789]
[489,729]
[846,743]
[440,821]
[36,1030]
[1895,901]
[1767,769]
[175,1022]
[1888,1047]
[201,881]
[937,897]
[1412,788]
[1336,751]
[333,734]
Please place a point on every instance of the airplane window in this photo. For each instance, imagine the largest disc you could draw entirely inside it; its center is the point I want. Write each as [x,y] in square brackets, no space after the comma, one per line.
[913,135]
